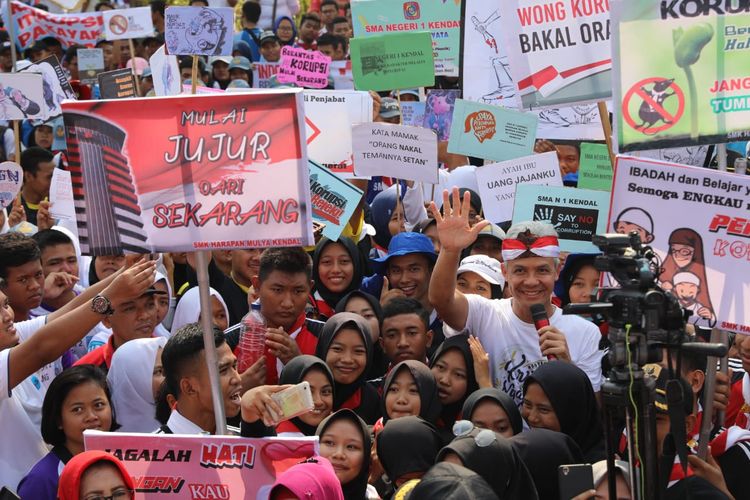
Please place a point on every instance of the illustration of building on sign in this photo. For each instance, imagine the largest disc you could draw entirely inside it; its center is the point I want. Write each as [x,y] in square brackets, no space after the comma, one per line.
[106,202]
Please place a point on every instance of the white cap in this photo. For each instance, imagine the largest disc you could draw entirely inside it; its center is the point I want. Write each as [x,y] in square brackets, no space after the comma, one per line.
[686,277]
[486,267]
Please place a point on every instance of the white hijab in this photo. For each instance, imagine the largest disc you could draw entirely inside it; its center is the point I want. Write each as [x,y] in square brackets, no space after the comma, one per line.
[130,381]
[161,330]
[189,308]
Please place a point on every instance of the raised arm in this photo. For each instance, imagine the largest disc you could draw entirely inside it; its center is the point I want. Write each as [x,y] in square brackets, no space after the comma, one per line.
[51,341]
[455,234]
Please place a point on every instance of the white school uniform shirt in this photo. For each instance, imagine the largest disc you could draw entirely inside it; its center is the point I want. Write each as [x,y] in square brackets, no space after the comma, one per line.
[513,345]
[22,444]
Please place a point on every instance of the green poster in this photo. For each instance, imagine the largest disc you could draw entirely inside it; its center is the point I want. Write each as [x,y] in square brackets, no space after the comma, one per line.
[442,18]
[395,61]
[682,73]
[595,169]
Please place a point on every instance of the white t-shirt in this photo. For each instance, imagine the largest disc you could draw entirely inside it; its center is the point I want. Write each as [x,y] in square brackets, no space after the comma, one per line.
[22,444]
[30,393]
[513,345]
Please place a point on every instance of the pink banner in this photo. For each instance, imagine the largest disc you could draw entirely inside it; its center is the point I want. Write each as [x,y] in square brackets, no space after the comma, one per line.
[169,466]
[305,68]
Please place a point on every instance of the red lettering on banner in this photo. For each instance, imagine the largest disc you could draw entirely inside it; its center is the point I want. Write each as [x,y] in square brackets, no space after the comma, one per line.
[227,455]
[540,14]
[737,249]
[225,214]
[735,226]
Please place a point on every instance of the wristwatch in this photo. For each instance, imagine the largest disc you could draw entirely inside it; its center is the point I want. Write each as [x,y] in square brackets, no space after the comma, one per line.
[101,305]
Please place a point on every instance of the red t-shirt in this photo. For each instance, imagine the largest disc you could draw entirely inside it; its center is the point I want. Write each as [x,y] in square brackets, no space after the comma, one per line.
[101,356]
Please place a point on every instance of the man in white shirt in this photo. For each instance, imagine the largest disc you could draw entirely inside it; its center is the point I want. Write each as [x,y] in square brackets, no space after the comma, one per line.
[22,444]
[187,379]
[505,327]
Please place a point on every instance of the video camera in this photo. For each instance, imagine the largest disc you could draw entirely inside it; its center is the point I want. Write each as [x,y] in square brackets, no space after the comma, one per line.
[652,316]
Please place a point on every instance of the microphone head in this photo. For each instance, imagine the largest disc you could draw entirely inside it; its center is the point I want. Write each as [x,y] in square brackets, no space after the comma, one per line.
[538,311]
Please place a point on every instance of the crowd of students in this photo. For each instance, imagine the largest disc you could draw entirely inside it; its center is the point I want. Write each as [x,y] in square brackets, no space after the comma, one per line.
[413,330]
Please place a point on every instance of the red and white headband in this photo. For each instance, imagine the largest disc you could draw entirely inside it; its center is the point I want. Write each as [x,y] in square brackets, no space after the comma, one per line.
[546,246]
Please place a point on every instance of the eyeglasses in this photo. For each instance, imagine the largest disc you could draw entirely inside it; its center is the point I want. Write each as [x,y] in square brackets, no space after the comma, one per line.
[118,494]
[484,437]
[683,252]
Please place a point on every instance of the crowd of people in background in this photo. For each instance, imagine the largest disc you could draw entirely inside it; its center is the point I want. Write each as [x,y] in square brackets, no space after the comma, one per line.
[413,330]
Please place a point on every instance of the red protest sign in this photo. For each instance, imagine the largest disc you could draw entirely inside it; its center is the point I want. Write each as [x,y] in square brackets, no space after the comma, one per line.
[207,171]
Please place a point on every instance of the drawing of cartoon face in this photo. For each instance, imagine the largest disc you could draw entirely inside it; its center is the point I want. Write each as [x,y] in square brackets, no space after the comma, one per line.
[682,254]
[206,32]
[686,293]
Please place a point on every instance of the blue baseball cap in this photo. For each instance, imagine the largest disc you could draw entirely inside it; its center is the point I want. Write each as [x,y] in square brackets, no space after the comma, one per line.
[405,244]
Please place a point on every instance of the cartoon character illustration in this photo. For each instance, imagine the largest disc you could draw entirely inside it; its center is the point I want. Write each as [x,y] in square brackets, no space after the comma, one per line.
[686,256]
[686,288]
[13,98]
[648,114]
[506,89]
[439,113]
[635,219]
[568,117]
[205,34]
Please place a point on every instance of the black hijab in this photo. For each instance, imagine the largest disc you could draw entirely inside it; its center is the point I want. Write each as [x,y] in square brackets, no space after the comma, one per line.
[333,326]
[356,489]
[475,201]
[543,451]
[498,463]
[294,372]
[407,445]
[332,298]
[502,399]
[379,363]
[461,342]
[571,395]
[446,480]
[429,408]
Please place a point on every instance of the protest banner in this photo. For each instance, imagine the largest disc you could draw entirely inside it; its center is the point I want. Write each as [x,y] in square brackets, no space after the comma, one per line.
[202,31]
[580,122]
[595,168]
[329,116]
[396,61]
[441,19]
[187,467]
[485,66]
[30,25]
[497,182]
[55,84]
[341,73]
[412,113]
[333,200]
[559,51]
[304,68]
[90,64]
[576,214]
[22,96]
[165,73]
[221,171]
[696,221]
[491,132]
[117,84]
[123,24]
[694,88]
[11,178]
[397,151]
[263,74]
[438,112]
